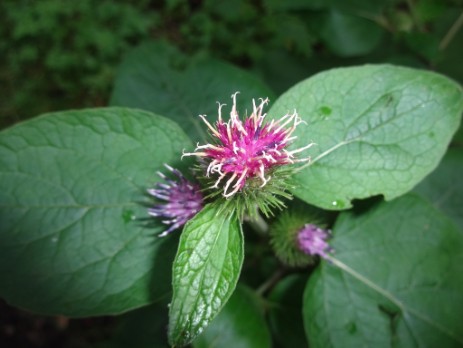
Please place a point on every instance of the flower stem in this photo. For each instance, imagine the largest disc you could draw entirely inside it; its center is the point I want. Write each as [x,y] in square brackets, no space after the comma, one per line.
[270,282]
[258,223]
[451,33]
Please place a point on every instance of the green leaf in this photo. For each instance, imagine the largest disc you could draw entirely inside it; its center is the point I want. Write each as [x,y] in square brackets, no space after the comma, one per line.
[366,8]
[205,272]
[348,35]
[72,236]
[395,280]
[141,328]
[444,187]
[379,129]
[282,79]
[285,314]
[241,324]
[157,77]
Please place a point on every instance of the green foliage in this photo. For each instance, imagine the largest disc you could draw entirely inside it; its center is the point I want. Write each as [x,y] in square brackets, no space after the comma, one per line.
[71,223]
[285,303]
[149,323]
[241,324]
[157,77]
[396,274]
[365,122]
[63,53]
[205,272]
[58,54]
[444,187]
[347,35]
[75,235]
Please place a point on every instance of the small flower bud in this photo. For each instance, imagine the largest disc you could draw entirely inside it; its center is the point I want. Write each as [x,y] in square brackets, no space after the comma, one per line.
[312,240]
[297,242]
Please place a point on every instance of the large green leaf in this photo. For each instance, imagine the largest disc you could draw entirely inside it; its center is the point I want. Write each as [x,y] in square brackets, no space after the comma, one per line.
[205,272]
[71,240]
[444,187]
[395,280]
[240,324]
[379,129]
[157,77]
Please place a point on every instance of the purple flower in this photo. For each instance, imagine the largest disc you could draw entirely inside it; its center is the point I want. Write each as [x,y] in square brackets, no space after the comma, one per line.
[182,200]
[248,149]
[312,240]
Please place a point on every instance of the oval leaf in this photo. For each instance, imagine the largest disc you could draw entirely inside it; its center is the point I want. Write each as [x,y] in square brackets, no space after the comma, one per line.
[71,241]
[241,324]
[444,187]
[205,272]
[379,130]
[395,280]
[157,77]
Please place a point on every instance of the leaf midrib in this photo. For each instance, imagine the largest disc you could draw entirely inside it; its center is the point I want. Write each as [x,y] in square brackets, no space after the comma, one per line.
[181,309]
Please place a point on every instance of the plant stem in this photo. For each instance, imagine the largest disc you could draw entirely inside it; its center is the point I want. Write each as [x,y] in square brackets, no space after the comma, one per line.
[451,33]
[270,282]
[416,21]
[258,224]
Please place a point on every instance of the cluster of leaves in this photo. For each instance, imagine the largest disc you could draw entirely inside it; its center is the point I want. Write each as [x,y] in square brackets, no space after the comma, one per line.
[59,54]
[73,226]
[75,238]
[310,36]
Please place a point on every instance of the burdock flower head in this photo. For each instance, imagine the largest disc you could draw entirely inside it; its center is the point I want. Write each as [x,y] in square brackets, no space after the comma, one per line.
[245,155]
[182,200]
[312,240]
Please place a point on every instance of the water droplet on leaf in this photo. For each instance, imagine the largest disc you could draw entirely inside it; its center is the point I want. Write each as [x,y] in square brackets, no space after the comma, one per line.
[128,215]
[338,204]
